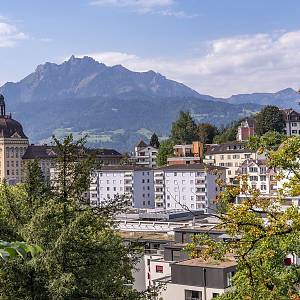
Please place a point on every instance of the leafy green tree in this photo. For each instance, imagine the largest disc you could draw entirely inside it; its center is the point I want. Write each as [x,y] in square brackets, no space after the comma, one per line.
[228,133]
[271,140]
[83,257]
[206,133]
[154,142]
[184,129]
[270,118]
[261,233]
[165,150]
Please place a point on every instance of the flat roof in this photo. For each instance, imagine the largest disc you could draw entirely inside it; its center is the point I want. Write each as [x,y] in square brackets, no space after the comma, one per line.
[192,167]
[198,262]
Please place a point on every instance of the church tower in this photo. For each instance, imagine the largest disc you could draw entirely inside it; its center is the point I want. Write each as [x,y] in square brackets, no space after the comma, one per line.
[13,144]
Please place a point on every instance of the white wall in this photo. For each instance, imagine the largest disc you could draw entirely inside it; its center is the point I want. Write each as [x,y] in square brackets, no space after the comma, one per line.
[136,185]
[177,292]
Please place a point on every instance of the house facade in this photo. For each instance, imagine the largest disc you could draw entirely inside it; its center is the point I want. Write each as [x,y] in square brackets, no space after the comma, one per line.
[191,187]
[133,182]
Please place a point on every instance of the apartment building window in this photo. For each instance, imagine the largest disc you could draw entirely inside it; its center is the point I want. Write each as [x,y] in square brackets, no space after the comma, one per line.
[229,172]
[7,172]
[247,155]
[183,181]
[148,180]
[263,187]
[115,189]
[175,182]
[143,180]
[228,156]
[7,164]
[107,188]
[192,295]
[100,174]
[294,131]
[294,124]
[175,173]
[215,295]
[159,269]
[107,181]
[263,178]
[222,157]
[253,178]
[253,169]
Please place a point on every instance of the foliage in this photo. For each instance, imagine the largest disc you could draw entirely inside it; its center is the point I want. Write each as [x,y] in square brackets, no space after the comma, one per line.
[206,133]
[165,150]
[83,257]
[184,129]
[271,140]
[14,249]
[228,133]
[262,235]
[154,142]
[270,118]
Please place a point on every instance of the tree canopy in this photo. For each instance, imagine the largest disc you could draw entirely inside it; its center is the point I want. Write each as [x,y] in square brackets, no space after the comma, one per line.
[262,234]
[270,118]
[206,133]
[154,142]
[165,150]
[83,256]
[184,129]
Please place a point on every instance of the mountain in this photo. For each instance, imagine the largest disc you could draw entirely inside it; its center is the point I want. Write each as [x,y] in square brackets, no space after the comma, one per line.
[113,105]
[85,77]
[287,98]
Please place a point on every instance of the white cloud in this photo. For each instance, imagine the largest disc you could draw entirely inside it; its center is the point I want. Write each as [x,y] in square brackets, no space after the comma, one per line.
[154,7]
[10,35]
[239,64]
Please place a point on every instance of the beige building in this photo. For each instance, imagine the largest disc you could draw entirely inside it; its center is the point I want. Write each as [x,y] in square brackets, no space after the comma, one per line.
[230,155]
[13,144]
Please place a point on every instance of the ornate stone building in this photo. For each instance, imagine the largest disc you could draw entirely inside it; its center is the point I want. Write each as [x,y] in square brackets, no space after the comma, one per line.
[13,144]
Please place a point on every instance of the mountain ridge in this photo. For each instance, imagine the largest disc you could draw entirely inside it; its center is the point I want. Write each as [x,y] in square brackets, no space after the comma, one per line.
[114,105]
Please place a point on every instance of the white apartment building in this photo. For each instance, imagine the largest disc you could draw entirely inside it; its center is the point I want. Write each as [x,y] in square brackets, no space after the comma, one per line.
[259,176]
[292,122]
[145,155]
[230,155]
[133,182]
[187,186]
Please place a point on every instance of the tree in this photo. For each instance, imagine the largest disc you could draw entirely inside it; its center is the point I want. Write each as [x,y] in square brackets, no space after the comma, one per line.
[165,150]
[206,133]
[270,118]
[271,140]
[83,257]
[228,133]
[184,129]
[261,234]
[154,142]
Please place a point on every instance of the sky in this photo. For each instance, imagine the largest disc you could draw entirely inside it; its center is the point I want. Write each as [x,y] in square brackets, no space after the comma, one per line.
[217,47]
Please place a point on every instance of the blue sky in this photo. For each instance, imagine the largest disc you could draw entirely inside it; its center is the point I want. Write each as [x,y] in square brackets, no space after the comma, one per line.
[218,47]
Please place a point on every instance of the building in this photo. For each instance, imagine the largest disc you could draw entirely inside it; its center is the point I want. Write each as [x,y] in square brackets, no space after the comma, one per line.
[13,144]
[259,176]
[44,154]
[246,129]
[196,279]
[187,154]
[292,122]
[133,182]
[107,157]
[144,155]
[191,187]
[230,155]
